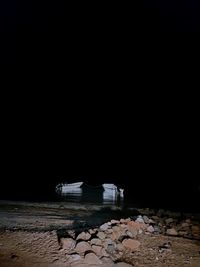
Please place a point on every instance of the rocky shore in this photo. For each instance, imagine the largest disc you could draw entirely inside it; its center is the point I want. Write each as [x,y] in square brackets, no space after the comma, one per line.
[78,236]
[120,240]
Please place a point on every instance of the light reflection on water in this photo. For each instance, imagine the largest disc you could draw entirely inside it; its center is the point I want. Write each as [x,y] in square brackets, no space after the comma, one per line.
[91,194]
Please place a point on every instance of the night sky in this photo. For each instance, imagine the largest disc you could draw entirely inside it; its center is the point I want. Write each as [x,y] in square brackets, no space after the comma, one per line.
[41,27]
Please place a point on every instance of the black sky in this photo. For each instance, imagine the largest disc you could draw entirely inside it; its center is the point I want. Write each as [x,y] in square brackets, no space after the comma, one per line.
[26,25]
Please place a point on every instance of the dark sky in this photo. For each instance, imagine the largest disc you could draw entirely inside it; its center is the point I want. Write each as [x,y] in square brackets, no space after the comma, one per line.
[22,24]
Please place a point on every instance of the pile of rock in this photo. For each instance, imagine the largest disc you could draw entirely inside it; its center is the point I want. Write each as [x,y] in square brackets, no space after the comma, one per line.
[112,240]
[175,226]
[103,245]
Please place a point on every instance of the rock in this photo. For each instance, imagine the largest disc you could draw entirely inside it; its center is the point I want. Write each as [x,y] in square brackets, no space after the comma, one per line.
[92,231]
[139,232]
[129,234]
[71,233]
[74,258]
[101,235]
[109,246]
[150,229]
[83,236]
[140,219]
[131,244]
[146,219]
[195,230]
[113,222]
[120,247]
[152,222]
[107,262]
[109,231]
[104,253]
[108,242]
[110,249]
[165,247]
[182,233]
[92,259]
[109,223]
[116,233]
[155,218]
[125,221]
[123,226]
[68,243]
[136,225]
[96,241]
[172,232]
[104,227]
[156,229]
[185,225]
[82,247]
[97,250]
[169,220]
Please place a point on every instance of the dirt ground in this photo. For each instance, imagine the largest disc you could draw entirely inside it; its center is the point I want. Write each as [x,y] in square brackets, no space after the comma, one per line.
[29,237]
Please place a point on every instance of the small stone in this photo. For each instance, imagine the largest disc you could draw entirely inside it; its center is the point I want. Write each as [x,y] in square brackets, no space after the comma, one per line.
[195,230]
[82,247]
[83,236]
[68,243]
[182,233]
[71,233]
[129,234]
[136,225]
[140,219]
[139,232]
[185,225]
[169,220]
[156,229]
[150,229]
[101,235]
[104,227]
[92,231]
[107,261]
[104,253]
[131,244]
[97,250]
[96,241]
[122,221]
[109,231]
[107,242]
[165,247]
[155,218]
[116,233]
[123,226]
[109,223]
[74,258]
[114,222]
[110,248]
[146,219]
[172,232]
[152,222]
[120,247]
[92,259]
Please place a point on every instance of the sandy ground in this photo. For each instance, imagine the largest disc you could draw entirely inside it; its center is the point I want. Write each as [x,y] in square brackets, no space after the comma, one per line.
[29,237]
